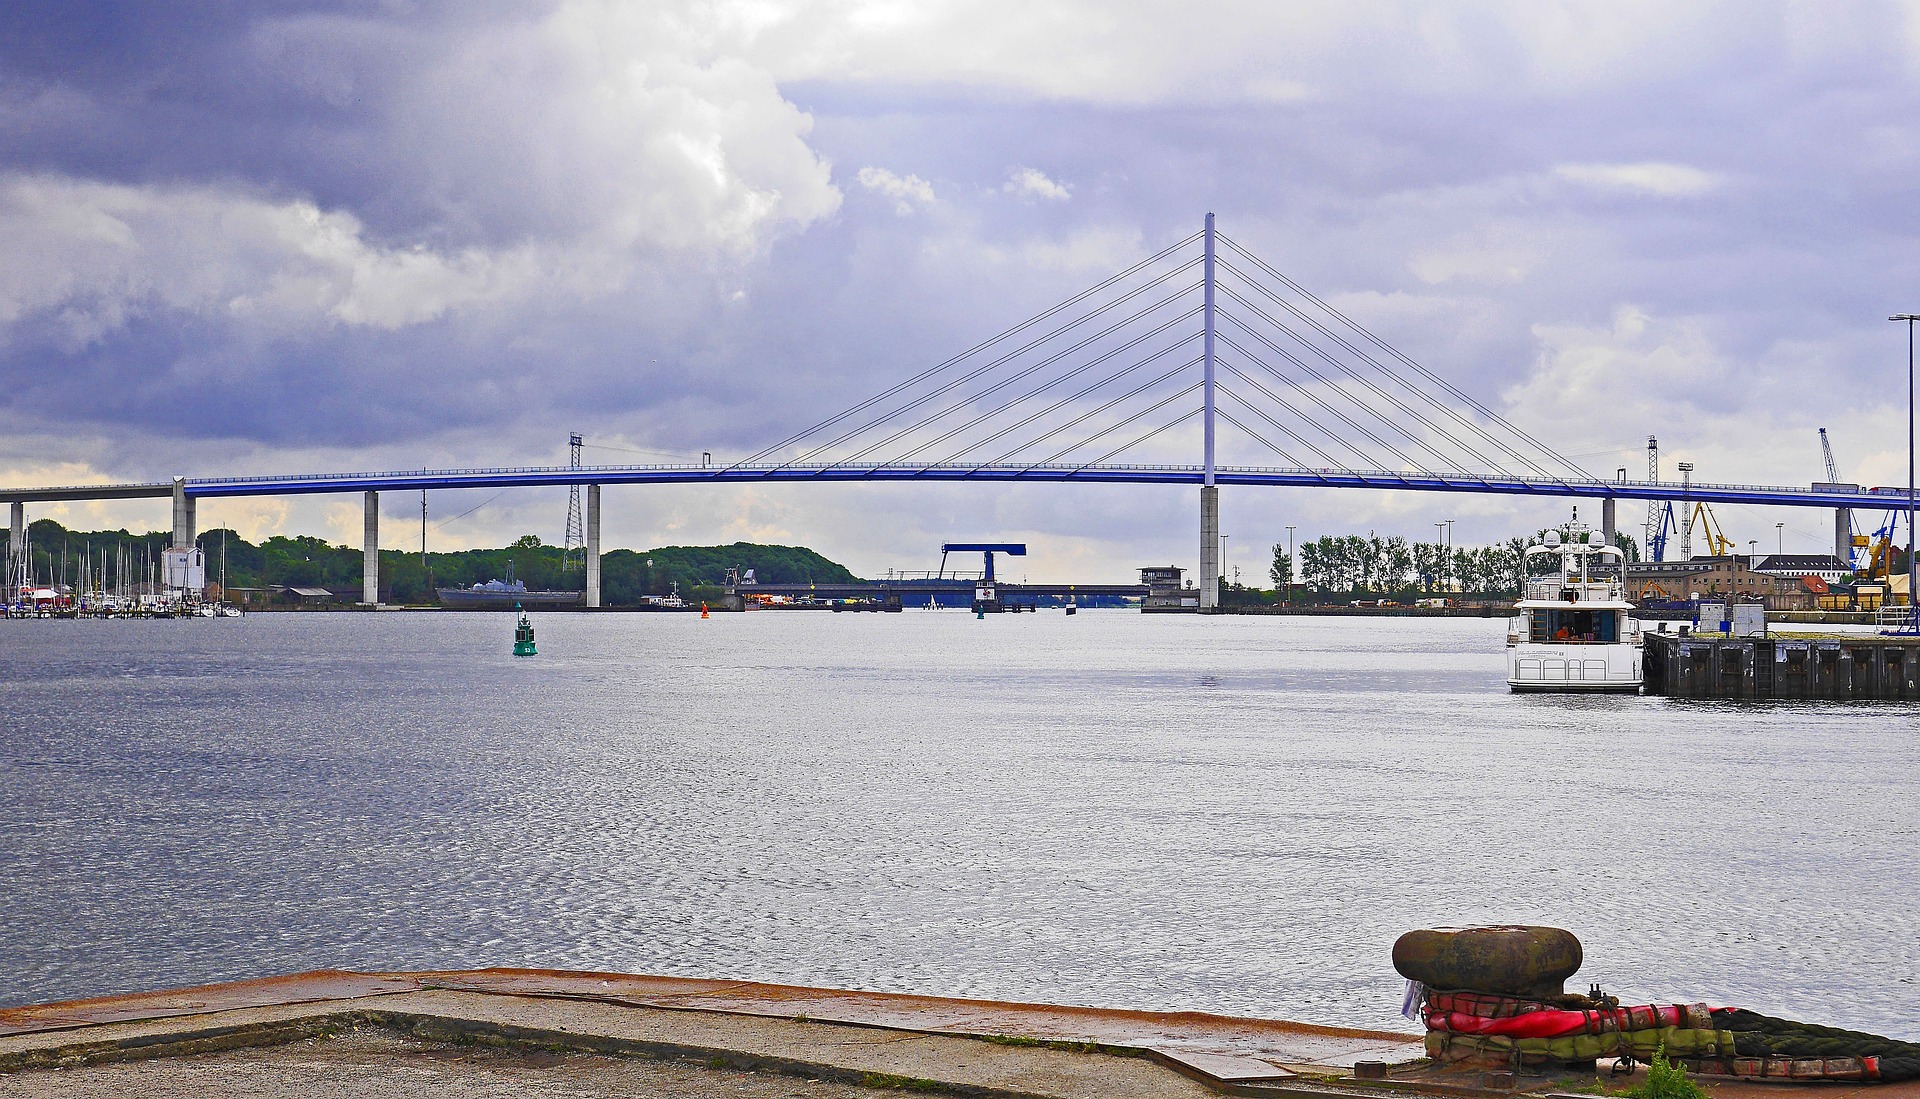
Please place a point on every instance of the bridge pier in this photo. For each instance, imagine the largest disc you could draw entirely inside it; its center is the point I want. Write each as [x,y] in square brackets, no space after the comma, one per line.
[1843,535]
[593,546]
[1209,548]
[1609,520]
[16,541]
[184,515]
[370,560]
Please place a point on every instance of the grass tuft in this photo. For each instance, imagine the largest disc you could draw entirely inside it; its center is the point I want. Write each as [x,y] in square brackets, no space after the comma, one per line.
[1666,1080]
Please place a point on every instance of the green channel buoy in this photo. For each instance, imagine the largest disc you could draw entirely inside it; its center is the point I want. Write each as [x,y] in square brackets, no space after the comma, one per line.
[523,635]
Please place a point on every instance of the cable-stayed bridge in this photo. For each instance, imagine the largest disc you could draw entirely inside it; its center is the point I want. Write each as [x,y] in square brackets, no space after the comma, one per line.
[1200,350]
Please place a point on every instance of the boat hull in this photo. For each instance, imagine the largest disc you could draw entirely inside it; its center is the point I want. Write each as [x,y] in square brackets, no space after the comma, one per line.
[466,599]
[1574,669]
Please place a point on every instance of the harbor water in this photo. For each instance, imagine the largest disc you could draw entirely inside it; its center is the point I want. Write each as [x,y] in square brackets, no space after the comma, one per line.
[1233,814]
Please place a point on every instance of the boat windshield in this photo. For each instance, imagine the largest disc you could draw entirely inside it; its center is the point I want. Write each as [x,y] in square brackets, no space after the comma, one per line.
[1592,627]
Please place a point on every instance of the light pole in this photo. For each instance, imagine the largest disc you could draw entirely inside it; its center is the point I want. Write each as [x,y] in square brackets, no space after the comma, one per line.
[1223,558]
[1289,566]
[1439,556]
[1779,538]
[1913,609]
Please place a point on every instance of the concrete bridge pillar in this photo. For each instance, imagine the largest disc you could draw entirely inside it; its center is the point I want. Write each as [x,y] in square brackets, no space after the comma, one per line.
[1209,548]
[1843,535]
[593,545]
[370,561]
[16,539]
[1609,520]
[184,515]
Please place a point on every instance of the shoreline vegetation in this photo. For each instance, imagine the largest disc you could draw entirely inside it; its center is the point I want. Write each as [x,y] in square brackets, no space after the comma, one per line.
[302,561]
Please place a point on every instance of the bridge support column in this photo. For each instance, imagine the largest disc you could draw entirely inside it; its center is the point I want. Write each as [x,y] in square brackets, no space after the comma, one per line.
[1843,535]
[593,546]
[370,561]
[16,544]
[1609,520]
[1209,548]
[184,517]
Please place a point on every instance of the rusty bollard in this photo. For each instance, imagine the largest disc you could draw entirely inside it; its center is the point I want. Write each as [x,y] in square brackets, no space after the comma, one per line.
[1514,960]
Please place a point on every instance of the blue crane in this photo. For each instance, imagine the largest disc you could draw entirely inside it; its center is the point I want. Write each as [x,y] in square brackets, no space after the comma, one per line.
[1011,549]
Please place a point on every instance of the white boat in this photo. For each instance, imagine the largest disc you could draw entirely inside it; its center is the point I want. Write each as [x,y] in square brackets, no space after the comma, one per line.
[1574,629]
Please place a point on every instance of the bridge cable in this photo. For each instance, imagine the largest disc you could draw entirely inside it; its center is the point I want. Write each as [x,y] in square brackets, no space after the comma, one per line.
[1136,442]
[1029,371]
[1368,461]
[1331,461]
[923,400]
[1310,395]
[1249,432]
[1083,417]
[1396,402]
[1423,371]
[1136,341]
[1349,372]
[970,352]
[1064,401]
[1110,429]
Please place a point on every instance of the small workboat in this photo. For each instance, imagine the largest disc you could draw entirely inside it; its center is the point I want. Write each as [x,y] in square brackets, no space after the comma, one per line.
[1574,630]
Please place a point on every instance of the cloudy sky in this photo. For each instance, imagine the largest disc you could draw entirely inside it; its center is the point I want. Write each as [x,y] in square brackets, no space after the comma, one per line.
[278,237]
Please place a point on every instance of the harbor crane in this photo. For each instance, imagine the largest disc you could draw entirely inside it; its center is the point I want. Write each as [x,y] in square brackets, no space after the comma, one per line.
[1855,541]
[986,597]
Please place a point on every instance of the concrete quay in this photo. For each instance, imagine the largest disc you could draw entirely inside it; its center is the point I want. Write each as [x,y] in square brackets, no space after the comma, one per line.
[514,1032]
[927,1043]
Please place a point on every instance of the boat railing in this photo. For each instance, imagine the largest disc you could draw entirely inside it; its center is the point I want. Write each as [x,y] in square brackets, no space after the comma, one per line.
[1593,589]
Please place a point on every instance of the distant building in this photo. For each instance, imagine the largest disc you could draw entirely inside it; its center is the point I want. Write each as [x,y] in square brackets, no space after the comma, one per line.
[1662,581]
[1824,565]
[1164,591]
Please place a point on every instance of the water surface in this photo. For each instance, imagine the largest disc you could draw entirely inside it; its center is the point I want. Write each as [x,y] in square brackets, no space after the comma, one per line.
[1230,814]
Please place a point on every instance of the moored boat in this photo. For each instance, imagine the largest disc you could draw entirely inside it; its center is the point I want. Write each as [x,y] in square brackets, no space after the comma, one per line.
[1574,630]
[503,595]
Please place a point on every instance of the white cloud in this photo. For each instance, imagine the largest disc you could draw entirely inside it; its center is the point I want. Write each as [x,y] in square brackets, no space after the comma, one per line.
[90,257]
[905,191]
[1033,183]
[1652,178]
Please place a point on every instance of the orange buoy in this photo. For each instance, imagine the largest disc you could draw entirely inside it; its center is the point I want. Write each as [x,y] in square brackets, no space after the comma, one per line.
[703,610]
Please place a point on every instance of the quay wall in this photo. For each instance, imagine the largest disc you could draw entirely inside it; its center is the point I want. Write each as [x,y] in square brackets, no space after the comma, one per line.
[1782,667]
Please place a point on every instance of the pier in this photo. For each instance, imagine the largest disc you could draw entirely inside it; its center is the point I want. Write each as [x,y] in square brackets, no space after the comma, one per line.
[1829,668]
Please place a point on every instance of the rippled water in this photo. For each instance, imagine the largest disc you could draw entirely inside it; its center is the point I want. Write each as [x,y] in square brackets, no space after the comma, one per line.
[1233,814]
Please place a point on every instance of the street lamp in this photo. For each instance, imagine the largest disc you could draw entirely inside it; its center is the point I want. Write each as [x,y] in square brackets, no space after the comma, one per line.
[1913,609]
[1779,537]
[1223,557]
[1289,566]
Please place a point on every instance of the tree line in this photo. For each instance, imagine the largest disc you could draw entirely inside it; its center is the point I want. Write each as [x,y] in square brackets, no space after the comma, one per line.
[406,577]
[1352,563]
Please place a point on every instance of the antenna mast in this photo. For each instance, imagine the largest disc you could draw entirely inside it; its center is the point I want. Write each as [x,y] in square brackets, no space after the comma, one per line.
[575,553]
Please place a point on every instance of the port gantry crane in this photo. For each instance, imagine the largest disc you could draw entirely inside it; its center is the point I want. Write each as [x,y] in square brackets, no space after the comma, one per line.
[1857,542]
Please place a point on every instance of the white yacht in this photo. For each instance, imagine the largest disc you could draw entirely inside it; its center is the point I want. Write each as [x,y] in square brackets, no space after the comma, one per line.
[1574,630]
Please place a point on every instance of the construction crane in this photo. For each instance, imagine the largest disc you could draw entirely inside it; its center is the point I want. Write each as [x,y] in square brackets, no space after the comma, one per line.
[1659,512]
[1718,544]
[1878,558]
[1826,451]
[1855,540]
